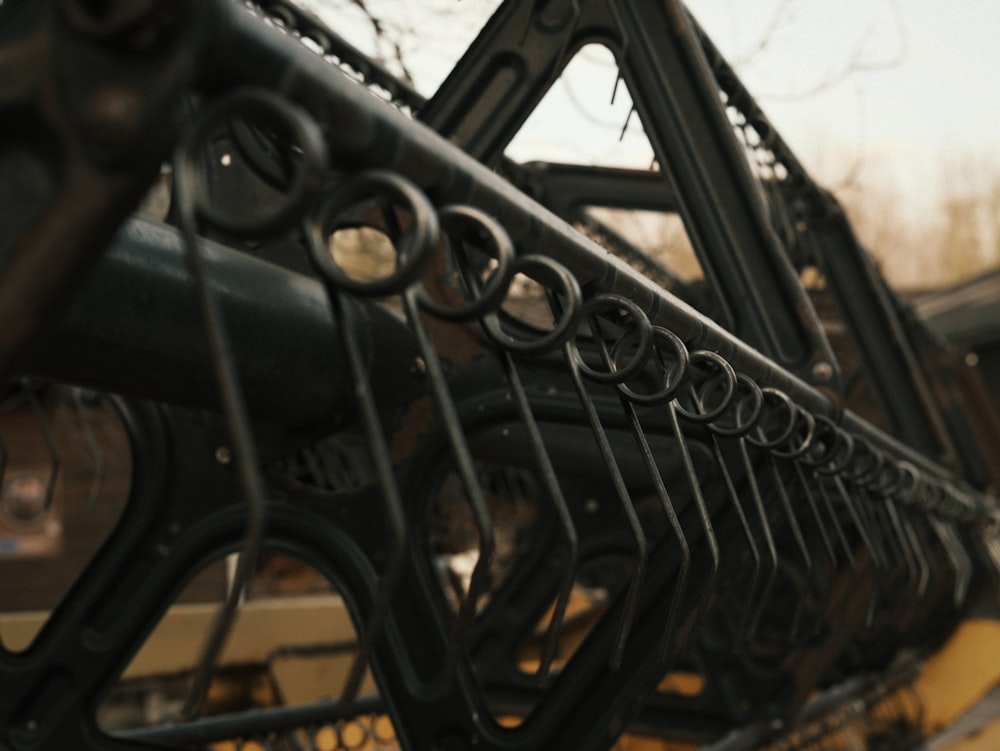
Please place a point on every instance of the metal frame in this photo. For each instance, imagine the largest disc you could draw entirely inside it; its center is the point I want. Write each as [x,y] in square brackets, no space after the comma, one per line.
[789,541]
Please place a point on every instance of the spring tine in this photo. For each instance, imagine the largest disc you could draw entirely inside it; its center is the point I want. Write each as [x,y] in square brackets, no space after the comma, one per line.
[874,512]
[938,528]
[863,530]
[896,555]
[965,559]
[743,624]
[860,522]
[828,544]
[548,476]
[831,552]
[192,203]
[867,510]
[837,526]
[551,482]
[245,453]
[706,524]
[904,543]
[920,553]
[800,542]
[50,444]
[392,505]
[100,468]
[769,546]
[624,500]
[473,490]
[664,653]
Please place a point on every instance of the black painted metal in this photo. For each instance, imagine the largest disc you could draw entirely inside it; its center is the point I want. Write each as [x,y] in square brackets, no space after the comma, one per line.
[747,530]
[822,235]
[133,328]
[523,49]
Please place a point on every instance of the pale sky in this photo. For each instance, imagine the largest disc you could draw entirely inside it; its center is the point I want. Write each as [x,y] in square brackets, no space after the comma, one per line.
[906,87]
[897,94]
[914,97]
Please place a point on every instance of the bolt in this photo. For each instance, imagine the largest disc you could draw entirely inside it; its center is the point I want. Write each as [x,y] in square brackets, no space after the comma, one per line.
[822,371]
[419,366]
[224,456]
[971,359]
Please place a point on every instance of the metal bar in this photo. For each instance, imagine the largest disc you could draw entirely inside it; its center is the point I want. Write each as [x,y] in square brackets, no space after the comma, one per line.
[569,188]
[132,327]
[861,296]
[501,79]
[248,724]
[375,134]
[678,101]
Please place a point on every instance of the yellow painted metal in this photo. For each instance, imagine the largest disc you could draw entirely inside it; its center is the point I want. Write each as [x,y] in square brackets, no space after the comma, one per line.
[959,674]
[984,739]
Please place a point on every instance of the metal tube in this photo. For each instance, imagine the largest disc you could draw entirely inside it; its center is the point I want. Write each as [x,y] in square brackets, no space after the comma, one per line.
[133,328]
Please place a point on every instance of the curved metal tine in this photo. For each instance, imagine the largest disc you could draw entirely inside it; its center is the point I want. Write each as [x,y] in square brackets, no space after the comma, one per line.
[551,482]
[904,543]
[100,467]
[940,529]
[474,492]
[920,552]
[664,655]
[895,553]
[706,523]
[769,545]
[967,566]
[831,551]
[828,546]
[549,479]
[244,448]
[866,537]
[800,542]
[392,504]
[874,510]
[624,499]
[866,508]
[743,625]
[838,528]
[50,444]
